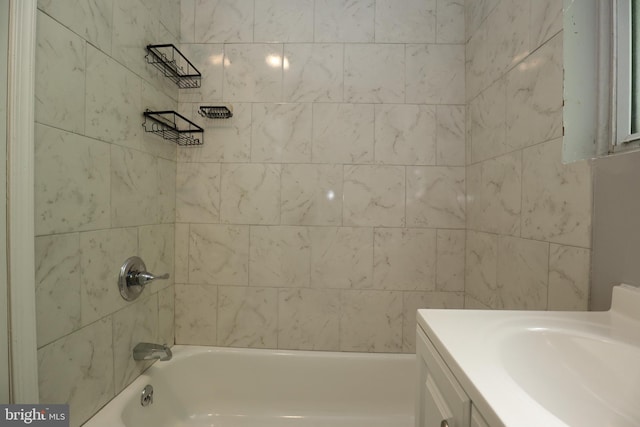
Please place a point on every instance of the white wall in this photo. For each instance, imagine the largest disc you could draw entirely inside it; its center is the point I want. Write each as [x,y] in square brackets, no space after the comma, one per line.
[616,241]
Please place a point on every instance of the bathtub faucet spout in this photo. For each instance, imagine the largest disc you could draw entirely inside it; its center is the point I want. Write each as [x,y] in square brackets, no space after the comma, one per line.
[149,351]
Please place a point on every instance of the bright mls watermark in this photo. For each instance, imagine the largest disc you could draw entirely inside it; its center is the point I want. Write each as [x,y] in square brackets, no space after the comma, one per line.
[34,415]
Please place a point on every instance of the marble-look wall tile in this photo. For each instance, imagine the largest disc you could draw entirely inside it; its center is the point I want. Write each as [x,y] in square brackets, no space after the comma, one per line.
[138,322]
[481,269]
[78,370]
[224,140]
[279,256]
[283,21]
[113,98]
[435,74]
[95,83]
[313,72]
[253,72]
[534,96]
[250,194]
[568,278]
[374,196]
[309,319]
[311,194]
[374,73]
[136,24]
[341,257]
[516,188]
[166,191]
[371,321]
[248,317]
[166,315]
[436,197]
[405,134]
[341,21]
[157,250]
[450,21]
[102,253]
[224,21]
[467,139]
[404,259]
[476,11]
[310,187]
[92,20]
[57,274]
[556,199]
[450,135]
[133,29]
[413,301]
[181,266]
[546,21]
[494,190]
[523,267]
[60,57]
[487,123]
[477,63]
[168,14]
[507,35]
[188,21]
[196,311]
[134,188]
[471,303]
[198,192]
[450,260]
[209,60]
[412,22]
[343,133]
[218,254]
[72,183]
[281,133]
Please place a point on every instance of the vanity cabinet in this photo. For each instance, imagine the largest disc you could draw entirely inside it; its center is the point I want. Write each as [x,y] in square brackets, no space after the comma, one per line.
[441,400]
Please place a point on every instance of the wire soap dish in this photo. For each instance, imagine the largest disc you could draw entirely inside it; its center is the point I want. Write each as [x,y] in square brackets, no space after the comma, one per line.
[172,126]
[216,111]
[174,65]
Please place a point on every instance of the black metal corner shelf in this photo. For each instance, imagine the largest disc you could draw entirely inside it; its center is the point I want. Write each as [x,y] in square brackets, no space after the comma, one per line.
[174,65]
[173,127]
[215,111]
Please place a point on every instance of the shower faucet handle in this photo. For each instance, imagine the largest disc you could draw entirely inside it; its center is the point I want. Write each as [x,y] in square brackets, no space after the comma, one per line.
[134,277]
[141,278]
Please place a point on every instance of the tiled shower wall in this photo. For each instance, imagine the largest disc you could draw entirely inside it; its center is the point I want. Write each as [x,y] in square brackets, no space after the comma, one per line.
[104,191]
[528,215]
[332,204]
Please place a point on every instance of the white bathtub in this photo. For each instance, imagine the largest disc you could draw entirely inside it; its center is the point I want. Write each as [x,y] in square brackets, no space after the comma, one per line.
[221,387]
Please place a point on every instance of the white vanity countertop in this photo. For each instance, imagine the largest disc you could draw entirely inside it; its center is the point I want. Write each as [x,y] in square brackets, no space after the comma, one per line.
[551,369]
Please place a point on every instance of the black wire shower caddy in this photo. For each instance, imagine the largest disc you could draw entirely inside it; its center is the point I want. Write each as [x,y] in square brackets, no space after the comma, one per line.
[172,126]
[174,65]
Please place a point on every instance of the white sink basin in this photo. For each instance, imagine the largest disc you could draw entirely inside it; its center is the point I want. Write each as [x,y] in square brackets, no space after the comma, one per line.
[551,369]
[583,379]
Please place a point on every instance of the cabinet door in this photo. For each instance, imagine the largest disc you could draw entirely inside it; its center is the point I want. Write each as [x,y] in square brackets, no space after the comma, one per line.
[435,410]
[440,396]
[476,419]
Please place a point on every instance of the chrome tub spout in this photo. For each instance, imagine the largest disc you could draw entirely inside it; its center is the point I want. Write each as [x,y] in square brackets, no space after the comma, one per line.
[149,351]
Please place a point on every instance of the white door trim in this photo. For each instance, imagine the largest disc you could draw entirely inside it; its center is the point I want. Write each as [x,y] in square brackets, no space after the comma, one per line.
[20,200]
